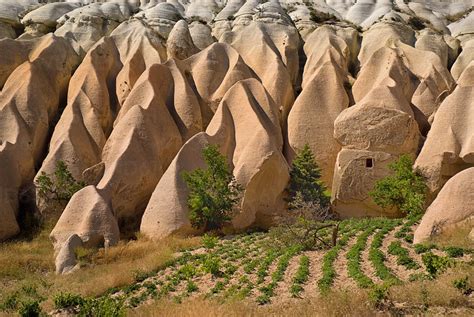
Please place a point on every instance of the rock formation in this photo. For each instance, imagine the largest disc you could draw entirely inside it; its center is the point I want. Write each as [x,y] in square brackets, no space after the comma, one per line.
[29,101]
[128,92]
[449,147]
[324,96]
[246,128]
[450,217]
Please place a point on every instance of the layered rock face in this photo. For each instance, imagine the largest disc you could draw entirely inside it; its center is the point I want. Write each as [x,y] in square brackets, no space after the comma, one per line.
[127,93]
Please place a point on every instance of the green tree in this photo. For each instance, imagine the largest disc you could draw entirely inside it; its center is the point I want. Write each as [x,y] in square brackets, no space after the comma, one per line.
[58,187]
[305,186]
[405,189]
[213,191]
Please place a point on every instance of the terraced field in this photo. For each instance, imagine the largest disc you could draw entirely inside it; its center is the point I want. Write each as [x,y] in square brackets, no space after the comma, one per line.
[370,254]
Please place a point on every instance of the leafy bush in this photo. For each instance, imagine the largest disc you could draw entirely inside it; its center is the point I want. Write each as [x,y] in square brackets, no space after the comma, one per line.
[378,294]
[191,287]
[454,252]
[213,191]
[462,284]
[67,300]
[104,306]
[435,264]
[404,190]
[212,265]
[423,248]
[30,308]
[209,241]
[58,187]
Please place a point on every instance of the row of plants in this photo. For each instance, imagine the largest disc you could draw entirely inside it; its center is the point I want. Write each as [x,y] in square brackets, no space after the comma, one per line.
[377,257]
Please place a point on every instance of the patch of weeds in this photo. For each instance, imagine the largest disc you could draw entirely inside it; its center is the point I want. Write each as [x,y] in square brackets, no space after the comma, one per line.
[191,287]
[30,308]
[423,248]
[378,294]
[140,276]
[67,300]
[462,284]
[454,252]
[212,265]
[209,241]
[103,306]
[436,264]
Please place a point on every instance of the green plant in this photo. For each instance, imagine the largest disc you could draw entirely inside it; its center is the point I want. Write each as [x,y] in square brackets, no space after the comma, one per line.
[301,276]
[305,186]
[212,265]
[213,191]
[103,306]
[140,276]
[58,187]
[354,258]
[423,248]
[191,287]
[462,284]
[378,258]
[30,308]
[66,300]
[454,252]
[403,256]
[377,294]
[435,264]
[209,241]
[405,189]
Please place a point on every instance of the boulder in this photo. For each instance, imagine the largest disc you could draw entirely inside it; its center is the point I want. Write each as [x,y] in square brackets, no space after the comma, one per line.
[450,217]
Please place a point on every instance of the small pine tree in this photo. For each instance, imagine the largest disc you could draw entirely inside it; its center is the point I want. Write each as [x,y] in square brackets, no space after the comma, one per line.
[405,189]
[213,191]
[305,184]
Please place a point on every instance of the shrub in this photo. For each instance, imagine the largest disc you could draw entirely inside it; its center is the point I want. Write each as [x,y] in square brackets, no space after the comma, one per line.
[30,308]
[378,294]
[191,287]
[104,306]
[57,189]
[212,265]
[209,241]
[213,191]
[435,264]
[454,252]
[405,189]
[67,300]
[462,284]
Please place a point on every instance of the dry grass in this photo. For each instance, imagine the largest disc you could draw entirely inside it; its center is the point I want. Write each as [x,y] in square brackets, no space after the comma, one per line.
[336,304]
[439,292]
[27,265]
